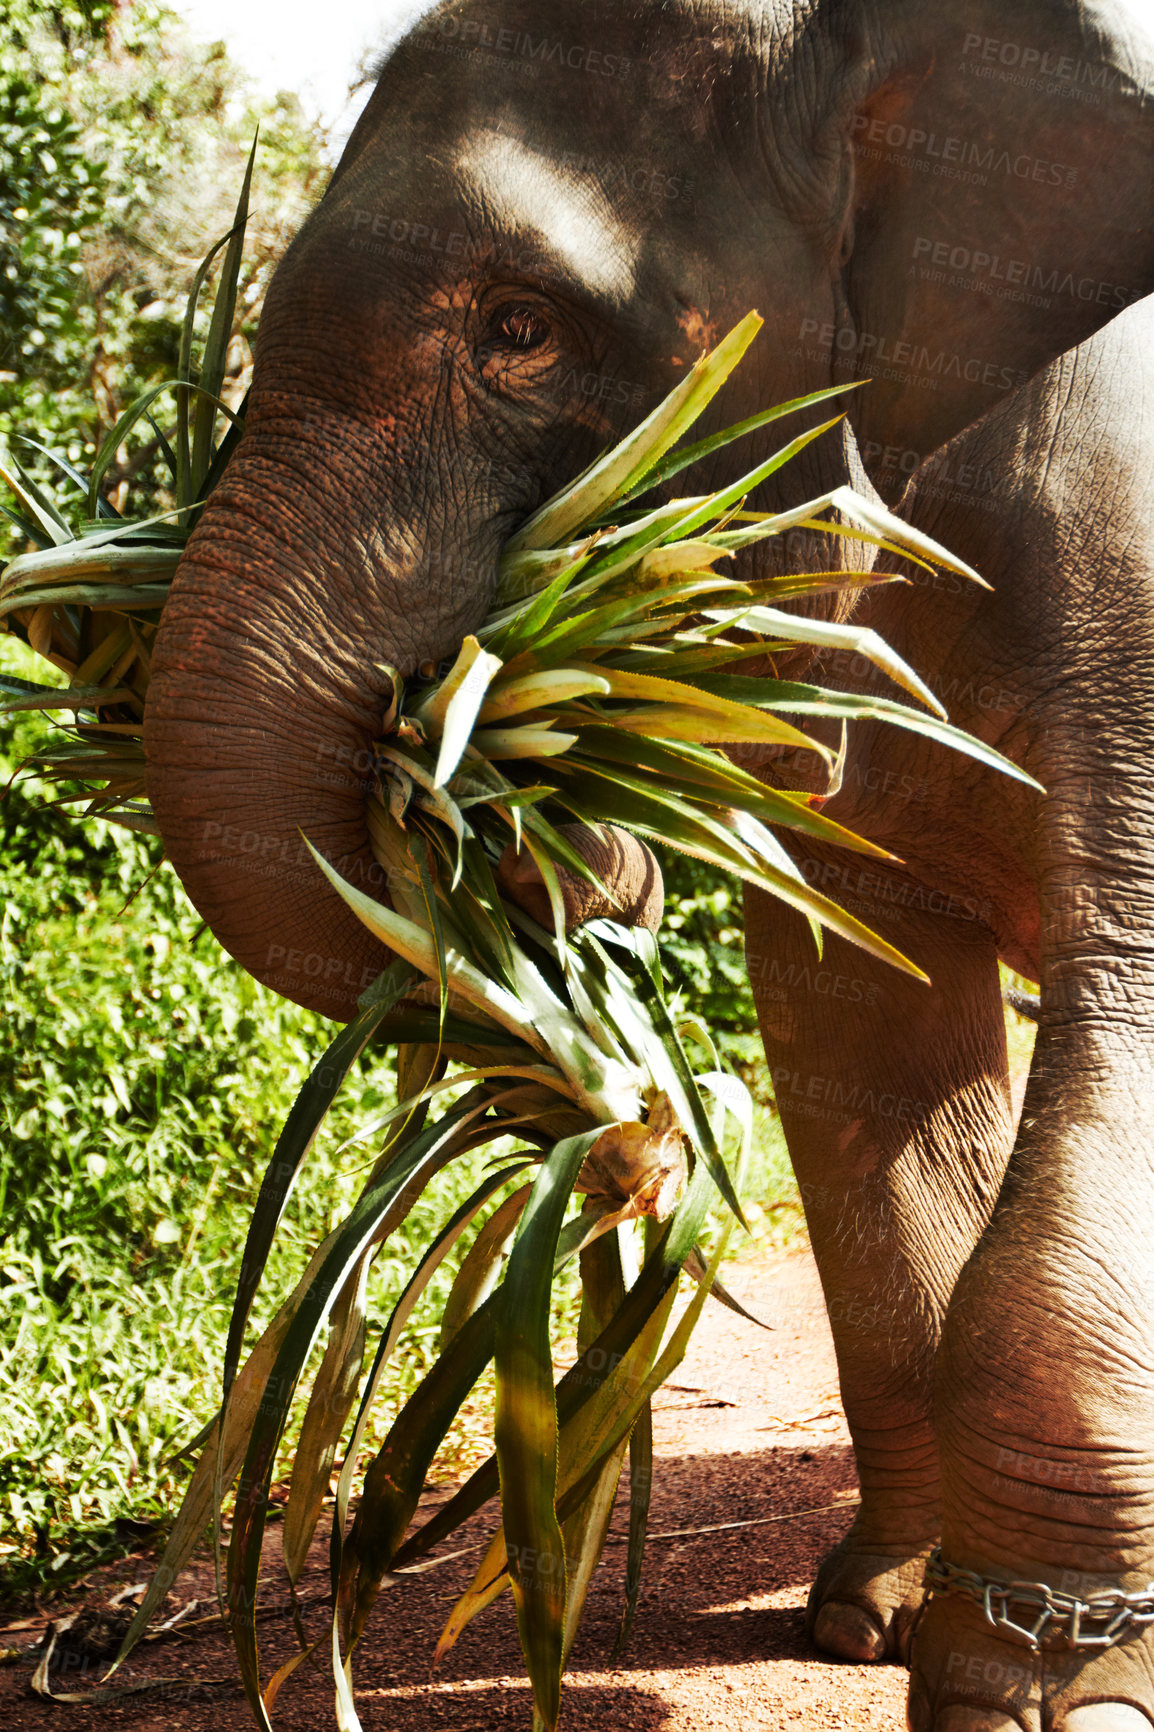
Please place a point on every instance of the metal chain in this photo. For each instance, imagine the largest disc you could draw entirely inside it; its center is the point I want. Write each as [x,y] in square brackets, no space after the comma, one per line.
[1097,1622]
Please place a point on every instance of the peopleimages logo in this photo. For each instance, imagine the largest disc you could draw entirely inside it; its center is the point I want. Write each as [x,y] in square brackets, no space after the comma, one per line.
[961,158]
[1042,69]
[617,174]
[381,235]
[456,34]
[1009,278]
[898,359]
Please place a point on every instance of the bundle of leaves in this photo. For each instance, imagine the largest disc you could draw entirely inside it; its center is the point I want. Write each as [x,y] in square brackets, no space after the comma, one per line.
[616,664]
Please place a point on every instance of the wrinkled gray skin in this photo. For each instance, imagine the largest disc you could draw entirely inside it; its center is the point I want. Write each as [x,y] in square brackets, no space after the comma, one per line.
[520,251]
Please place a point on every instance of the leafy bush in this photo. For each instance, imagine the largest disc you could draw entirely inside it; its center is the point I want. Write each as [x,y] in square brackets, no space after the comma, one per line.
[703,944]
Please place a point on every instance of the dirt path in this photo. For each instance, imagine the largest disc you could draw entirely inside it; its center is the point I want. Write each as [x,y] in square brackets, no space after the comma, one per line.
[750,1434]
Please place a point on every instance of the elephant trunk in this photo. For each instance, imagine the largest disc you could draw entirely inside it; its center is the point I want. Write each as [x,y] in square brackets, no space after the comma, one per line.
[266,691]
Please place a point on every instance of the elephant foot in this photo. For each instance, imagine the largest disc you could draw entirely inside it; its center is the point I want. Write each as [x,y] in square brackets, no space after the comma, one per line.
[968,1677]
[863,1602]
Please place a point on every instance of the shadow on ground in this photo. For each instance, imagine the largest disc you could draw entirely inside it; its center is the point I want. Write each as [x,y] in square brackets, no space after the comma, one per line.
[723,1588]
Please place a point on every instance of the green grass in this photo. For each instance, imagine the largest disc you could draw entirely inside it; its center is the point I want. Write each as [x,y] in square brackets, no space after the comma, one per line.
[143,1079]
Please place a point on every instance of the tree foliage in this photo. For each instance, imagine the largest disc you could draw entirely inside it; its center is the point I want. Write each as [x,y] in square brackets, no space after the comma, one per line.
[122,144]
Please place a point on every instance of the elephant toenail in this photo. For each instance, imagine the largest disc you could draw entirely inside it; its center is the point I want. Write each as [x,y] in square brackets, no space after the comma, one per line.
[848,1632]
[1106,1717]
[974,1719]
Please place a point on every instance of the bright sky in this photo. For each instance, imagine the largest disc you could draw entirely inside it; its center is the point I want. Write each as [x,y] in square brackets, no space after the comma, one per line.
[312,49]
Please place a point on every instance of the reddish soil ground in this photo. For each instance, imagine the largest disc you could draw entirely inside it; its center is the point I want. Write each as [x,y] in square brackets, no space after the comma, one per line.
[750,1441]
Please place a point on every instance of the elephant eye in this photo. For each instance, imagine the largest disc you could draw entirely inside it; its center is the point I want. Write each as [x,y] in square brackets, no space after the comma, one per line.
[519,346]
[522,328]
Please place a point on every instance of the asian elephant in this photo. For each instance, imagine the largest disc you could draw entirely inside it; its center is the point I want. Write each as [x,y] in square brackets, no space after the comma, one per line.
[546,212]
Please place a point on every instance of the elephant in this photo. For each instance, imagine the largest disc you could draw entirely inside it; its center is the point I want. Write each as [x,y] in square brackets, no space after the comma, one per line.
[546,212]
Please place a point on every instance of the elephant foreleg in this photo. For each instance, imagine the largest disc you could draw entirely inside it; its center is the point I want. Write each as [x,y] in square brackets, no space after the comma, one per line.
[1044,1397]
[895,1101]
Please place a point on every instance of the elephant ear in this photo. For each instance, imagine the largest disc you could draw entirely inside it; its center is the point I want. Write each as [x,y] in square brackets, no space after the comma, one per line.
[1003,167]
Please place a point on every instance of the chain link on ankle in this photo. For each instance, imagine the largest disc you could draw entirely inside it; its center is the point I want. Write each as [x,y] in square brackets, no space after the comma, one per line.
[1097,1622]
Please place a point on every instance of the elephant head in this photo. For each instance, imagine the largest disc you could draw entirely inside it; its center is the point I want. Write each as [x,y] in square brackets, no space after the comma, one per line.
[543,216]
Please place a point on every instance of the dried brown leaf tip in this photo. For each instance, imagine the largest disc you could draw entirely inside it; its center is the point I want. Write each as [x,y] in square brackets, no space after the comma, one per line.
[640,1165]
